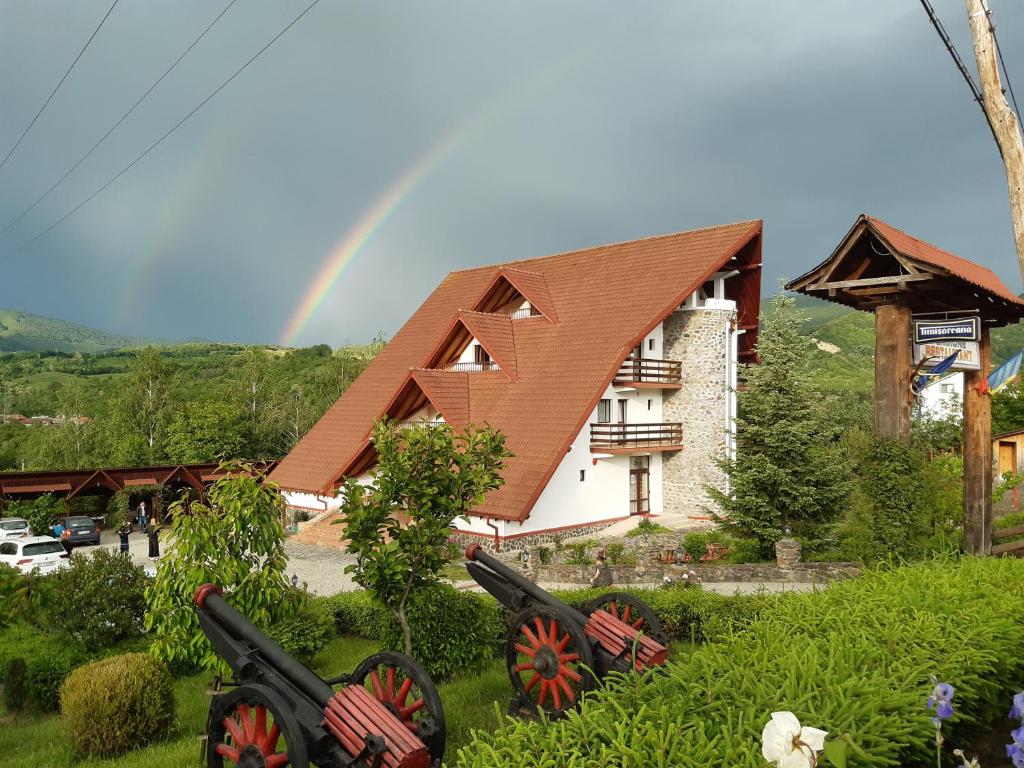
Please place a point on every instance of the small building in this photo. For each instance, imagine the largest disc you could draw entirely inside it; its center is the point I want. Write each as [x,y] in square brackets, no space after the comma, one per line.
[943,397]
[611,371]
[1008,453]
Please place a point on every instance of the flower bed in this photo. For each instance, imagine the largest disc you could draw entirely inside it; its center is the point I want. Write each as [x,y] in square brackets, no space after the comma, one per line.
[853,659]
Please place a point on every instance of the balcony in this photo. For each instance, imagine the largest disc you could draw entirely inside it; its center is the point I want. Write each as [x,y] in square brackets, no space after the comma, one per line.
[482,365]
[635,438]
[647,373]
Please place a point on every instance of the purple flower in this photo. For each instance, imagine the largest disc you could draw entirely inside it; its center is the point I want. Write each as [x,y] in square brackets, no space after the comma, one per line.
[941,701]
[1016,755]
[1017,711]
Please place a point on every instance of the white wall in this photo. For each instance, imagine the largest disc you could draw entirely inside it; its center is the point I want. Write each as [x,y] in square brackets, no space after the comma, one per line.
[310,501]
[943,397]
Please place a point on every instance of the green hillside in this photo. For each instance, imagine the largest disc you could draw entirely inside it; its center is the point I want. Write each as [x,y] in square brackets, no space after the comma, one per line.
[24,331]
[852,365]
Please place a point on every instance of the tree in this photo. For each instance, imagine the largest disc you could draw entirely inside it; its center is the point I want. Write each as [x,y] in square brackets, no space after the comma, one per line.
[144,404]
[398,525]
[787,475]
[205,431]
[69,444]
[235,541]
[1008,409]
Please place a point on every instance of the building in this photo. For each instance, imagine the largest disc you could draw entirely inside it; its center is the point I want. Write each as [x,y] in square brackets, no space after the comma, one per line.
[943,397]
[611,370]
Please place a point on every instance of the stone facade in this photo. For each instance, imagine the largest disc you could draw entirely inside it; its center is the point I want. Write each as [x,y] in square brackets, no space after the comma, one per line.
[528,541]
[700,339]
[709,573]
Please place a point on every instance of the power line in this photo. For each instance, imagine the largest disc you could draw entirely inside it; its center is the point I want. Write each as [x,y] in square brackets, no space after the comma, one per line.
[159,141]
[123,117]
[57,87]
[968,78]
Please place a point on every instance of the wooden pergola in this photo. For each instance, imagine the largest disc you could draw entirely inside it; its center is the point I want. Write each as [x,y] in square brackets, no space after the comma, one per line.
[878,268]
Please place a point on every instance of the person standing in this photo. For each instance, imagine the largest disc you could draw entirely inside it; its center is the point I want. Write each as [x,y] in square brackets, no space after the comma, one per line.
[154,539]
[141,515]
[122,533]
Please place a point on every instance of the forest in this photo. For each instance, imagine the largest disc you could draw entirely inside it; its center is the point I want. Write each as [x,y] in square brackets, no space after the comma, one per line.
[185,403]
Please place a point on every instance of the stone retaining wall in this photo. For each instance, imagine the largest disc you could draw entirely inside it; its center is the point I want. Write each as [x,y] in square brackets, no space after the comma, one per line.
[529,541]
[805,573]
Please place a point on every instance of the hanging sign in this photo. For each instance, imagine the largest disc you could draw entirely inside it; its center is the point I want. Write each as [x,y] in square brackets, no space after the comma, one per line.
[969,358]
[958,329]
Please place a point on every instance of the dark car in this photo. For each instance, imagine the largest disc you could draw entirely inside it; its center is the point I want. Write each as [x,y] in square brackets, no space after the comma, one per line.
[80,530]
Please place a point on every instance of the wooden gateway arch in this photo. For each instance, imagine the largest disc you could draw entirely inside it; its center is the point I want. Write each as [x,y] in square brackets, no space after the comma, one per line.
[907,282]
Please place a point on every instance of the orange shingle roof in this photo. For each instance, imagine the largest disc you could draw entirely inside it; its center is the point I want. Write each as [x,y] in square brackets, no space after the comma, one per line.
[605,299]
[495,333]
[910,246]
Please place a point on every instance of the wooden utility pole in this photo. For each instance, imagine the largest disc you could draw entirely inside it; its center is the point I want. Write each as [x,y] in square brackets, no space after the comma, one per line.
[1001,117]
[892,372]
[978,455]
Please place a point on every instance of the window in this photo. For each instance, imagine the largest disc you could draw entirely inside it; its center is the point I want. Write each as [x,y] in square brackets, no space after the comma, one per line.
[480,355]
[604,411]
[43,548]
[650,344]
[8,548]
[13,524]
[622,411]
[583,475]
[947,389]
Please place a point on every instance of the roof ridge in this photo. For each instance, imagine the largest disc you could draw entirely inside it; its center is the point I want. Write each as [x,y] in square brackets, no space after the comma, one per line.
[928,244]
[506,264]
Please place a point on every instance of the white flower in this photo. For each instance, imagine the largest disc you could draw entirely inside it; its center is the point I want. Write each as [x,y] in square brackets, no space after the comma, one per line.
[786,744]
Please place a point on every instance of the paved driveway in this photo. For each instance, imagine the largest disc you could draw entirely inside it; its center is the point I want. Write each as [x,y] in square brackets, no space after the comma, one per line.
[323,570]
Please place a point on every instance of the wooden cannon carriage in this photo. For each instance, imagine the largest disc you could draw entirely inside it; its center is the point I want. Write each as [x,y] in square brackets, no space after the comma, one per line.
[553,651]
[277,712]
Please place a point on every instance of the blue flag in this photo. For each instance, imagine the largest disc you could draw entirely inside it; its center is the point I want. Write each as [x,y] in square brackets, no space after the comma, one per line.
[942,367]
[1005,373]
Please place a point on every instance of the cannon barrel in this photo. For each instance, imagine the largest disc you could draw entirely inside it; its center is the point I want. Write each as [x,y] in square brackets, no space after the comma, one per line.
[475,553]
[215,609]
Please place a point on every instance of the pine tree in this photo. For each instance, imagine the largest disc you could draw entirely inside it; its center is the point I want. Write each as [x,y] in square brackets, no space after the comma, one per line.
[786,476]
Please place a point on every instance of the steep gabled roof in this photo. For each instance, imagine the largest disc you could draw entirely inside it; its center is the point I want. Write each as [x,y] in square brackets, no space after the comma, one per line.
[530,285]
[449,393]
[605,300]
[495,334]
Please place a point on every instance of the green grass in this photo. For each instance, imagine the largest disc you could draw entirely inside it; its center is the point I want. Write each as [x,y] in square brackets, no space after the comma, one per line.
[39,741]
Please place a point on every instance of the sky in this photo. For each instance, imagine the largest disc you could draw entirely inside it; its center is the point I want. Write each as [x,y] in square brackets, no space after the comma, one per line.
[322,194]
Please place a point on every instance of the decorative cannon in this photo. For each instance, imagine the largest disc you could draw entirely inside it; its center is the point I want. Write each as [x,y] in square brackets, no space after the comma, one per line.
[553,651]
[277,712]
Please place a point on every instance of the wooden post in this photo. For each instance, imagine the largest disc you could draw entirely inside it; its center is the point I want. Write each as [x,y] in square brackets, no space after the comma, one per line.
[1001,117]
[892,372]
[978,456]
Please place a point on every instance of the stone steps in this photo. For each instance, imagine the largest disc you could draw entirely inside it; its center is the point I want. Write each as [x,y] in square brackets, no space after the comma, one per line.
[321,534]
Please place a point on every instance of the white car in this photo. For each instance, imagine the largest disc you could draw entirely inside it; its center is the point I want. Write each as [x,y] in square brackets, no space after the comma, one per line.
[42,554]
[14,528]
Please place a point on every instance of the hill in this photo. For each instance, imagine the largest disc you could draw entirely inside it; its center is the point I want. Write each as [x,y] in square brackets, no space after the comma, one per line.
[846,343]
[26,332]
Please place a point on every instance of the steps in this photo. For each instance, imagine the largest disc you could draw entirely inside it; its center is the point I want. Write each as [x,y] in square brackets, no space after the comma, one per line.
[321,533]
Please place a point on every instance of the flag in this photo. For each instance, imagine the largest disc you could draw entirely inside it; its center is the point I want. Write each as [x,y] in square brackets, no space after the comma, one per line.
[942,367]
[1005,373]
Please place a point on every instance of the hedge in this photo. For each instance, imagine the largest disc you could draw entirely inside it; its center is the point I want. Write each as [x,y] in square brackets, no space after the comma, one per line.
[855,658]
[48,659]
[118,704]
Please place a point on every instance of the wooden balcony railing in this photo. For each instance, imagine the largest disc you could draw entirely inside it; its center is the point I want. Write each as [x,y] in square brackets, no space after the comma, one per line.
[650,372]
[530,311]
[487,365]
[635,438]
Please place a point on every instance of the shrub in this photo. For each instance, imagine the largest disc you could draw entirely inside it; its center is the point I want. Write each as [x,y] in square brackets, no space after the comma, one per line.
[100,600]
[357,613]
[742,551]
[647,527]
[307,631]
[24,597]
[452,631]
[1009,521]
[17,689]
[117,704]
[544,553]
[578,554]
[617,554]
[49,658]
[854,659]
[40,512]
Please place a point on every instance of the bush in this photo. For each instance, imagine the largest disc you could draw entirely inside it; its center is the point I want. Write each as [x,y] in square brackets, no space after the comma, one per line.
[356,613]
[48,659]
[1009,521]
[452,631]
[100,600]
[17,689]
[647,527]
[40,512]
[617,554]
[544,553]
[307,631]
[855,658]
[578,554]
[118,704]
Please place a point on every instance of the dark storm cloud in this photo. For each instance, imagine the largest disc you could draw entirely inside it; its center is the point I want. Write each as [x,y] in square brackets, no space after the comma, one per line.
[614,121]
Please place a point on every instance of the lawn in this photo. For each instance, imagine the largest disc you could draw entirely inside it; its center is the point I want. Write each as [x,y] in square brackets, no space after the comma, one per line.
[40,741]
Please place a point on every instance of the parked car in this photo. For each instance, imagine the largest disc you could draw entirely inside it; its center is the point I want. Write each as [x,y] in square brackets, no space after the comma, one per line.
[43,554]
[80,530]
[14,528]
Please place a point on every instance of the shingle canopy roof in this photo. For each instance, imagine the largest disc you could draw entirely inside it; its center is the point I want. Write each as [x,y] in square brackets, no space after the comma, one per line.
[605,299]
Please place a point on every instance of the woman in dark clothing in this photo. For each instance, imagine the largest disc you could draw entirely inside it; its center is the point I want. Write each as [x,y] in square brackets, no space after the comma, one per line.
[122,533]
[154,539]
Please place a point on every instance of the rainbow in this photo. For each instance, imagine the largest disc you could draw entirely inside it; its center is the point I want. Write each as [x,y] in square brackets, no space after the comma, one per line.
[371,220]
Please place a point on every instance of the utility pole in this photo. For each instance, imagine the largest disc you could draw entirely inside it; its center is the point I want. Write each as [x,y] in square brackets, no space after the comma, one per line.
[1000,116]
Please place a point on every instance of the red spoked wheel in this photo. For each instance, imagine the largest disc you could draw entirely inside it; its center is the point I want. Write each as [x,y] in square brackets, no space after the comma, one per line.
[549,659]
[628,609]
[404,687]
[251,727]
